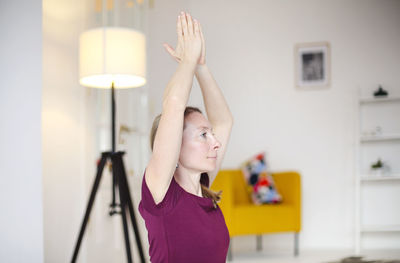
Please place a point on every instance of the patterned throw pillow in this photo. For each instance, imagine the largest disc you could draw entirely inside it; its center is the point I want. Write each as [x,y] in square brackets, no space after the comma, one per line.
[261,184]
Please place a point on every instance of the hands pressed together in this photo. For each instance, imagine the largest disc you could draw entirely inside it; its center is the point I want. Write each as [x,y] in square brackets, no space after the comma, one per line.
[190,46]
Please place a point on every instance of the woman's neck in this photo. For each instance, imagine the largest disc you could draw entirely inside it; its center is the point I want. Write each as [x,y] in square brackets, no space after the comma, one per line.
[188,180]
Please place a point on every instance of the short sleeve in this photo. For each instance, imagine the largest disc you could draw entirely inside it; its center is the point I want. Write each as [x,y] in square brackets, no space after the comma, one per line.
[170,200]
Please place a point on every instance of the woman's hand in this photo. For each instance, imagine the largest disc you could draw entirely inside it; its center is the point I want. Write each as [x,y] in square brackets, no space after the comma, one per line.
[202,59]
[190,40]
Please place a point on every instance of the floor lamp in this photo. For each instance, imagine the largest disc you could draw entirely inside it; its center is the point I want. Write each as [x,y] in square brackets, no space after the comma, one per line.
[113,57]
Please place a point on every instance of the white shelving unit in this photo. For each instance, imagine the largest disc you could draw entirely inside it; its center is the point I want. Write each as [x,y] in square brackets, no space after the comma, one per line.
[387,137]
[390,228]
[367,178]
[383,143]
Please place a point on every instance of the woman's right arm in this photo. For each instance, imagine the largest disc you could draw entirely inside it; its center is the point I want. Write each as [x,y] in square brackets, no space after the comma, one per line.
[168,139]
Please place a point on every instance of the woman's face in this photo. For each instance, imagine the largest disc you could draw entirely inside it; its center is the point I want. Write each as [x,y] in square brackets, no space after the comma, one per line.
[199,145]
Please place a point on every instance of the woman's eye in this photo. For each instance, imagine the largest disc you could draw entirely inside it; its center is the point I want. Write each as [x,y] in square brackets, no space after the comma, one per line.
[204,134]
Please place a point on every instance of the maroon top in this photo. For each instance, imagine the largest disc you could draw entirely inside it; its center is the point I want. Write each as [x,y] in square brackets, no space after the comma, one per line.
[184,227]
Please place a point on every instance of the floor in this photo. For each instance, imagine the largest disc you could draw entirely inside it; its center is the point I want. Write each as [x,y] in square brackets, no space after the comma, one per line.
[310,256]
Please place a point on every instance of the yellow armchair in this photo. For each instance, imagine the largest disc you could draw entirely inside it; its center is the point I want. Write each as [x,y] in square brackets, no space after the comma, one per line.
[242,217]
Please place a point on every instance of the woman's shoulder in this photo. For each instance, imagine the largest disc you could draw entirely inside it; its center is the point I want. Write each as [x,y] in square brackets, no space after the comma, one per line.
[167,203]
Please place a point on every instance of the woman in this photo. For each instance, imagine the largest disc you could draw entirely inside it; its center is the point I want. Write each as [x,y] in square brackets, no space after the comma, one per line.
[184,222]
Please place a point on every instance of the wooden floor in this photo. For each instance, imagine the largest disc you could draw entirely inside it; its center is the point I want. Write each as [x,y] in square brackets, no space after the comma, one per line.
[319,256]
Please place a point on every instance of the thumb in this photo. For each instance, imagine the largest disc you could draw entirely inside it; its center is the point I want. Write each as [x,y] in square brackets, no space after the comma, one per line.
[169,49]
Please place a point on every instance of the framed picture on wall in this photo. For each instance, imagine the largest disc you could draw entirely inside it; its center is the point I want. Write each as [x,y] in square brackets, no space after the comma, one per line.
[312,65]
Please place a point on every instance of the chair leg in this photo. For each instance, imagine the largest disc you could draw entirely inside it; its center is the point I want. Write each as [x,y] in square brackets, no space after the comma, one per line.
[259,242]
[296,244]
[230,256]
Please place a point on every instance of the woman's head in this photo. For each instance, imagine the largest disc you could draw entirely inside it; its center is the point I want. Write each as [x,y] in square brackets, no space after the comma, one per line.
[188,110]
[199,145]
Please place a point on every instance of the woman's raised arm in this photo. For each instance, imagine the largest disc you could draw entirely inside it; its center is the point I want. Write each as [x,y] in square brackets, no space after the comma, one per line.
[168,139]
[217,109]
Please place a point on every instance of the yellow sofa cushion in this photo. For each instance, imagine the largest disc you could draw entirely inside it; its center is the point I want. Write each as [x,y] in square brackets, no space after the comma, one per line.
[252,219]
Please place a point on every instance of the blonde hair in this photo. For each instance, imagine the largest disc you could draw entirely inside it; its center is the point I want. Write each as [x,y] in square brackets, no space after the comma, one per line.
[207,192]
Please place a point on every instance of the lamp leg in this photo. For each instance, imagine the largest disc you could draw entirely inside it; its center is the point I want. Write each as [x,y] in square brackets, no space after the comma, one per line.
[123,202]
[113,110]
[124,188]
[89,206]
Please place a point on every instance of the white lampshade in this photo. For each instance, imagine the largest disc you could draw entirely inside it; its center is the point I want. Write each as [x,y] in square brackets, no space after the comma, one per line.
[112,54]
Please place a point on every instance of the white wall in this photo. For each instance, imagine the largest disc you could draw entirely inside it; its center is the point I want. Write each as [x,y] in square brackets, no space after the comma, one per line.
[68,132]
[250,51]
[21,217]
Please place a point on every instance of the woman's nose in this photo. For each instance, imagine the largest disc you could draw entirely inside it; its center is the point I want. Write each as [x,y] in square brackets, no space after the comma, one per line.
[217,144]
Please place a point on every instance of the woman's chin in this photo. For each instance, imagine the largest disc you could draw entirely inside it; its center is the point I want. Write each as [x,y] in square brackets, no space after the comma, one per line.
[211,168]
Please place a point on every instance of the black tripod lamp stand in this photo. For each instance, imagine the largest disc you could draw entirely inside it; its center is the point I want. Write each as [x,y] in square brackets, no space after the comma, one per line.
[113,57]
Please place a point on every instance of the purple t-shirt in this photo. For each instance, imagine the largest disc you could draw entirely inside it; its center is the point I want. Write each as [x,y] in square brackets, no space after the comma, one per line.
[184,227]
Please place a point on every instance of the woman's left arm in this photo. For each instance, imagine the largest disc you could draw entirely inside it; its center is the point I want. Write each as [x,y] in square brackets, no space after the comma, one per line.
[218,112]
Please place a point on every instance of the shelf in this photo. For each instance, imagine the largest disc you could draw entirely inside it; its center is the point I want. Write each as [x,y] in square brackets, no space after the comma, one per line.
[374,111]
[392,137]
[371,229]
[366,178]
[383,99]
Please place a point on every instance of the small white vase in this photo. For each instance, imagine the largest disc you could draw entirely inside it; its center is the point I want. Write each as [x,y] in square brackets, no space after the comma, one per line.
[378,172]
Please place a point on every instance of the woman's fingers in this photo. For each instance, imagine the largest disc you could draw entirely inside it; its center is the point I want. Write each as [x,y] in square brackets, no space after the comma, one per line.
[184,24]
[179,29]
[196,27]
[189,47]
[190,23]
[201,36]
[203,47]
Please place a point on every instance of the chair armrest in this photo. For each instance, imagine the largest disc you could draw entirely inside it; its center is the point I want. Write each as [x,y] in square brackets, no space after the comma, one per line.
[288,185]
[224,182]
